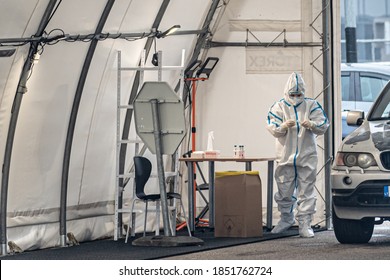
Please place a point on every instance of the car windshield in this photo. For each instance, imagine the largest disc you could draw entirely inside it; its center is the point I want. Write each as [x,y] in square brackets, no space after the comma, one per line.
[381,108]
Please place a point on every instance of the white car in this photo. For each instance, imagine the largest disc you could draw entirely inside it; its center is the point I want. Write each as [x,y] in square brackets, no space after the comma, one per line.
[360,174]
[361,83]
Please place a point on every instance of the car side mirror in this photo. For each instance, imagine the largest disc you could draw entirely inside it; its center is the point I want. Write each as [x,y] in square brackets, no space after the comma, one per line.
[355,118]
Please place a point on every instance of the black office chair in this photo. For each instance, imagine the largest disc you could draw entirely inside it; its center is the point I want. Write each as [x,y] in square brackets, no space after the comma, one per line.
[143,168]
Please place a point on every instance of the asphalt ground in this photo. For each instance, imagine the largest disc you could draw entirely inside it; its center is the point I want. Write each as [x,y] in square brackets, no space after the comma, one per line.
[324,246]
[286,256]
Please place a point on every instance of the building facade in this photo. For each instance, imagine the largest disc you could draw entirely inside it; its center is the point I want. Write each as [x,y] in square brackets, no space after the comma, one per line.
[372,29]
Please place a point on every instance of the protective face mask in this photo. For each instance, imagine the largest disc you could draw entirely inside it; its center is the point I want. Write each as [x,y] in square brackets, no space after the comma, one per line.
[296,100]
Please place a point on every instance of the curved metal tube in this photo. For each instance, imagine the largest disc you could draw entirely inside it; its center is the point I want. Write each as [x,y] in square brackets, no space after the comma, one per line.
[72,122]
[22,88]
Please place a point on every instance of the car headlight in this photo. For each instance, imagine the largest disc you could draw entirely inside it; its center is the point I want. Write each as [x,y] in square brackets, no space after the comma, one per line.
[350,160]
[363,160]
[366,160]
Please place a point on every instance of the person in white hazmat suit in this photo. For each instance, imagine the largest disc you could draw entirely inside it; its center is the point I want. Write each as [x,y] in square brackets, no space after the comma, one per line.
[295,121]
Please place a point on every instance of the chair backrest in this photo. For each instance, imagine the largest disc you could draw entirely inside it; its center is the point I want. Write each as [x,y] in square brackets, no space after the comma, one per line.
[143,168]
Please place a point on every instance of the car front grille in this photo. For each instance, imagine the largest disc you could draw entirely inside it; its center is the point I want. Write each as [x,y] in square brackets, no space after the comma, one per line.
[369,193]
[385,159]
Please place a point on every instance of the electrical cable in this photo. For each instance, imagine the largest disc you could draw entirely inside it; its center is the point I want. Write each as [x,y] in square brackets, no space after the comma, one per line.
[52,14]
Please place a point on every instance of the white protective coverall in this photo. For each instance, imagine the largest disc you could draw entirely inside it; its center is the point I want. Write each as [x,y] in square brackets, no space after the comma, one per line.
[294,122]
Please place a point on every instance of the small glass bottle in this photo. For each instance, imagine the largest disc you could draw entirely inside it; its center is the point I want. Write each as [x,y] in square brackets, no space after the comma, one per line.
[241,152]
[236,151]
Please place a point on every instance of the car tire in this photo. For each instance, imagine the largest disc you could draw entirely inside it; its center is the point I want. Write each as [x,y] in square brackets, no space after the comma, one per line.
[352,231]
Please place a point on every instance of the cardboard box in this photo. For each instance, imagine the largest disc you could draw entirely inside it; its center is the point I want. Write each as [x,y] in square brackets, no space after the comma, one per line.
[238,204]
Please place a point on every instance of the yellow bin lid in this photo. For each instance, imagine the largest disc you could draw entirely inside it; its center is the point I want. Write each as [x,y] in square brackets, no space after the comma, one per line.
[234,173]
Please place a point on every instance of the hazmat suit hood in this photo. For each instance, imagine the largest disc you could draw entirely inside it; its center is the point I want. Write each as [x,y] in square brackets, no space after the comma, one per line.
[295,85]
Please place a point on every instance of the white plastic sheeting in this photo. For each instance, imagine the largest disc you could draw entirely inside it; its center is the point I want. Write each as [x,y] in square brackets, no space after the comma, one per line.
[38,149]
[232,103]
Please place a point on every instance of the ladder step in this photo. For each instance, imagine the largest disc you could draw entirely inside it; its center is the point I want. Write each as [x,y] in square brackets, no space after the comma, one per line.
[151,208]
[126,175]
[151,68]
[153,175]
[168,174]
[129,141]
[126,106]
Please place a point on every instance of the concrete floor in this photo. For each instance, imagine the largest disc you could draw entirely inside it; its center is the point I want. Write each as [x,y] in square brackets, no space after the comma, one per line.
[324,246]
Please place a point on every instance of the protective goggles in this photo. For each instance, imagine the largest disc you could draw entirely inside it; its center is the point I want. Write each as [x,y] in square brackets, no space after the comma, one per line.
[295,94]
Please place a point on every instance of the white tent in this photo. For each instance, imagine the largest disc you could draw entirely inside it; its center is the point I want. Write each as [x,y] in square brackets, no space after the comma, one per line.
[58,90]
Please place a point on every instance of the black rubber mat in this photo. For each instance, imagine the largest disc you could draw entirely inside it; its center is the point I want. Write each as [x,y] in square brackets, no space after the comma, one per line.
[108,249]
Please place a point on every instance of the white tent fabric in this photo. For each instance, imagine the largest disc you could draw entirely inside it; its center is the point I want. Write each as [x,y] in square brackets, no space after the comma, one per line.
[233,103]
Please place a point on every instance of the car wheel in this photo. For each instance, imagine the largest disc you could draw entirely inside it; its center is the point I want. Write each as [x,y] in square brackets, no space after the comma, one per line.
[352,231]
